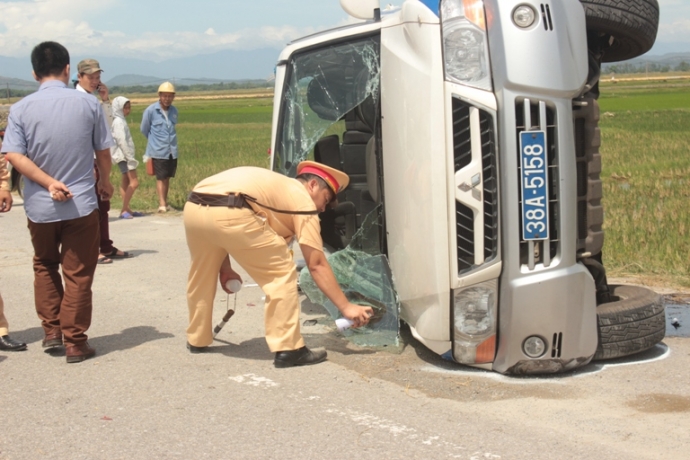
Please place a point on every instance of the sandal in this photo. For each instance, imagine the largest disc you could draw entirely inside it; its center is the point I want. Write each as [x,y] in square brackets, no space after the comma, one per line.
[114,254]
[126,215]
[104,260]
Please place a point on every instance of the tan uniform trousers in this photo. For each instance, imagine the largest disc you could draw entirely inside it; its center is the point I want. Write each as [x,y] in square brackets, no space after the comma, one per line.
[213,233]
[3,321]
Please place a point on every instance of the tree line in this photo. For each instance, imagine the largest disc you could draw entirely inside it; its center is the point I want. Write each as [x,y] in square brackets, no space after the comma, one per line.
[642,67]
[248,84]
[139,89]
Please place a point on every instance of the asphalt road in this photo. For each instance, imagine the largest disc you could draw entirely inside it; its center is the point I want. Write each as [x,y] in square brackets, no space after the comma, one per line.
[145,397]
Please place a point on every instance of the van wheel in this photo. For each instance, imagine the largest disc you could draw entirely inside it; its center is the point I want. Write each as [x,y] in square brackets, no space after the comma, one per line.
[633,25]
[635,322]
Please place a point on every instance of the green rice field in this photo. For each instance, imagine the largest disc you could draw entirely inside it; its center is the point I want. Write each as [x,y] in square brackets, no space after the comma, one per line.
[213,135]
[645,152]
[645,130]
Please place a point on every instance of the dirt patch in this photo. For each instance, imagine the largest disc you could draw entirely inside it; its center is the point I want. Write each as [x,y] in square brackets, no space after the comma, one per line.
[660,403]
[148,100]
[660,285]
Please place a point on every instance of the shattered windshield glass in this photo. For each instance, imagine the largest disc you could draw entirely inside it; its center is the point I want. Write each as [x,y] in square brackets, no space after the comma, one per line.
[365,277]
[321,87]
[329,113]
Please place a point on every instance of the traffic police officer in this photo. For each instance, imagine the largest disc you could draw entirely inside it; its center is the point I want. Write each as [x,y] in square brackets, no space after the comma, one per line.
[251,214]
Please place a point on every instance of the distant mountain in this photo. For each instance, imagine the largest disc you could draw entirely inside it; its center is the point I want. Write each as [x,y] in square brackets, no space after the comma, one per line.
[145,80]
[220,66]
[133,80]
[663,48]
[654,63]
[126,80]
[225,66]
[16,83]
[671,59]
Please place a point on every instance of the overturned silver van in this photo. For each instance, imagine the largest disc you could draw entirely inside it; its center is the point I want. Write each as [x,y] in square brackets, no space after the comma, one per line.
[469,131]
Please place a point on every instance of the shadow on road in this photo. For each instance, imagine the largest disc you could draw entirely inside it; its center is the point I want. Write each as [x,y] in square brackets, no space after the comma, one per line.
[31,335]
[252,349]
[129,338]
[135,253]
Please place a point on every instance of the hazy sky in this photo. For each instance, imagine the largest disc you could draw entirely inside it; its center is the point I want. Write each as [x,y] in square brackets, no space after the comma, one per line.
[156,30]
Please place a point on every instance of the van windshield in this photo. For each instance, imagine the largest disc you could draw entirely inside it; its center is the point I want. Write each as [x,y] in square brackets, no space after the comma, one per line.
[322,87]
[329,114]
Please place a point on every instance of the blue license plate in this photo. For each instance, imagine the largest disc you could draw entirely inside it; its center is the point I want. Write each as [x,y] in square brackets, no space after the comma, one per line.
[534,185]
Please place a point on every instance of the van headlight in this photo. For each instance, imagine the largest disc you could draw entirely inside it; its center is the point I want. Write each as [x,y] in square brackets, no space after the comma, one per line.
[465,45]
[474,323]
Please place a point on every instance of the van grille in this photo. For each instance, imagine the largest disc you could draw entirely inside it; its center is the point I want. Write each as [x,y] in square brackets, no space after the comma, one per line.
[486,189]
[462,144]
[535,115]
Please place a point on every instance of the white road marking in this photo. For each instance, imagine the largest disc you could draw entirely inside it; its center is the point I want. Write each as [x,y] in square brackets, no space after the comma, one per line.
[371,421]
[254,380]
[478,455]
[396,429]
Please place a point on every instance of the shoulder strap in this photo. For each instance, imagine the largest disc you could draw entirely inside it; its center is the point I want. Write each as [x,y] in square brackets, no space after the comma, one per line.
[301,213]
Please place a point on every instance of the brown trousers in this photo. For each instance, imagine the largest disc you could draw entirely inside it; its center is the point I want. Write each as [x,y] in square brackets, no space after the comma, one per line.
[72,244]
[106,244]
[212,234]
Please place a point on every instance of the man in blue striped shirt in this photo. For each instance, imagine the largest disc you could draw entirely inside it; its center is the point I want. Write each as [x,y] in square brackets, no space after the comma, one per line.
[158,126]
[50,139]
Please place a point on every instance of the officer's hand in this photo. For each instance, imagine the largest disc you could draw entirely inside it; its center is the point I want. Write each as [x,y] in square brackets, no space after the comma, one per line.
[226,275]
[358,314]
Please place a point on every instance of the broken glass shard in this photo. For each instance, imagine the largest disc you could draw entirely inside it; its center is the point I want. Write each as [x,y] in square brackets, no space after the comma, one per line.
[365,277]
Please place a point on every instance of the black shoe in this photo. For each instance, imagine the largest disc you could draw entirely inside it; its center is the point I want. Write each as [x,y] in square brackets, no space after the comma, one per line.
[195,350]
[300,357]
[8,344]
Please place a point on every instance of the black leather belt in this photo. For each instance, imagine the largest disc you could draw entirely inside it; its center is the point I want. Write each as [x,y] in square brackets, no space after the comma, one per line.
[226,201]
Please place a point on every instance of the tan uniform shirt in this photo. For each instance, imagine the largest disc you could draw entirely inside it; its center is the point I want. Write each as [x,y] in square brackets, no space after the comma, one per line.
[274,190]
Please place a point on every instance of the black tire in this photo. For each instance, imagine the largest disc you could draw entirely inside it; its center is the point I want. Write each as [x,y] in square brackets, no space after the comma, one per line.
[635,322]
[633,25]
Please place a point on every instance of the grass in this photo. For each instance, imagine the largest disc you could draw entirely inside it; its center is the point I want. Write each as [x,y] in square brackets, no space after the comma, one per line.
[645,137]
[213,135]
[645,128]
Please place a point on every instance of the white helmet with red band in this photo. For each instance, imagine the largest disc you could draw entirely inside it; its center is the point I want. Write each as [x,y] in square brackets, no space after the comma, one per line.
[336,180]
